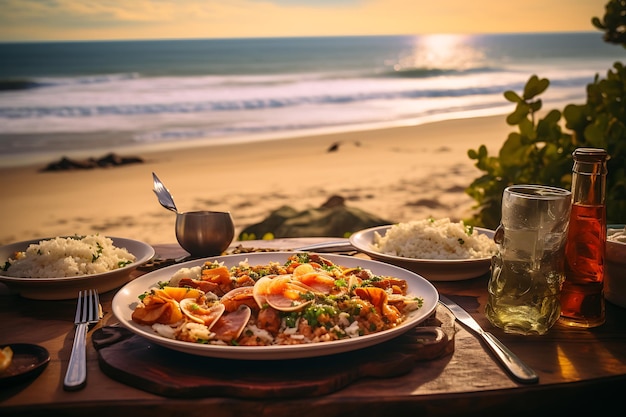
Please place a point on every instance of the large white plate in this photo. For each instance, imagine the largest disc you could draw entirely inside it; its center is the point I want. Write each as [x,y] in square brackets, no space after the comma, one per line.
[431,269]
[65,288]
[126,299]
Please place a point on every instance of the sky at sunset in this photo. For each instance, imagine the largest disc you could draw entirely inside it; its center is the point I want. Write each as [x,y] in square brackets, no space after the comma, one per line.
[32,20]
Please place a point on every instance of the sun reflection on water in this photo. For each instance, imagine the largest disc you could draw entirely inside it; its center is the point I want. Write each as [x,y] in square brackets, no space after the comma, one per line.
[441,52]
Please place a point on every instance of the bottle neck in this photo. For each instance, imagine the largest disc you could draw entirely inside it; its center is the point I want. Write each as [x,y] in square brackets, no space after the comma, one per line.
[589,183]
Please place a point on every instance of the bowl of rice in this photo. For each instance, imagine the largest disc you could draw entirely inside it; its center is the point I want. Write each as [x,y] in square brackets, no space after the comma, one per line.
[57,268]
[437,249]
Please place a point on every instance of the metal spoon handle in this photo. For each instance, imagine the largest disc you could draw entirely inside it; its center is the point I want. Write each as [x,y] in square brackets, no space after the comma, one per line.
[163,194]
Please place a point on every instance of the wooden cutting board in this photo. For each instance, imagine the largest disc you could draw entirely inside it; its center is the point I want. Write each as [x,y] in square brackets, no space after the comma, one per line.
[137,362]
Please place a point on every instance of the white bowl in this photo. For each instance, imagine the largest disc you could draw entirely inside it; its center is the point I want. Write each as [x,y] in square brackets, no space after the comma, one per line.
[65,288]
[615,269]
[431,269]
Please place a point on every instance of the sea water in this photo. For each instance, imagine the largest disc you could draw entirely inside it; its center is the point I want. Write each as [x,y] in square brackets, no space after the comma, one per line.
[73,96]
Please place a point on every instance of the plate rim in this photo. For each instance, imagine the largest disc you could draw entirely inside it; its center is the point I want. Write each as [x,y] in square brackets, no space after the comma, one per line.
[41,354]
[149,254]
[273,352]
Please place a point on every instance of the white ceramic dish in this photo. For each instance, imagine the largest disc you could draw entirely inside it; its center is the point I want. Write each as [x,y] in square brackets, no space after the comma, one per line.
[66,288]
[615,268]
[126,299]
[431,269]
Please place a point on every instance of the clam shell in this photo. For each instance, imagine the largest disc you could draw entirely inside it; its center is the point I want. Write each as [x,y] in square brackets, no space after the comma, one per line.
[237,297]
[281,292]
[207,315]
[230,325]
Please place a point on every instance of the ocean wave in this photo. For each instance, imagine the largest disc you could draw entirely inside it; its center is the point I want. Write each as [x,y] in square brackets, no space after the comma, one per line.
[264,103]
[434,72]
[28,84]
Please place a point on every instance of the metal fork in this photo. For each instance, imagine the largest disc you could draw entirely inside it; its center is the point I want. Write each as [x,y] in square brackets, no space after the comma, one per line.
[87,312]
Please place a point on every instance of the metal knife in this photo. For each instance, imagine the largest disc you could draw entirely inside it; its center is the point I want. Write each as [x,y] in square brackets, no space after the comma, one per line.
[342,245]
[514,365]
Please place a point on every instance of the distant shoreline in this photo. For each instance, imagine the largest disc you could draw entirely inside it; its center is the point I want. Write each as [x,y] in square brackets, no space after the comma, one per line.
[96,144]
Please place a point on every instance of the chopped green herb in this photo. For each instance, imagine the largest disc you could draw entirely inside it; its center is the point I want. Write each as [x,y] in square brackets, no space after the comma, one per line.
[312,313]
[307,296]
[291,319]
[341,283]
[303,258]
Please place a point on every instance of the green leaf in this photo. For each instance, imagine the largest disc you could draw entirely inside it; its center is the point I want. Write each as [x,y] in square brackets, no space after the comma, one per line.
[527,129]
[535,106]
[595,136]
[513,152]
[535,86]
[512,96]
[597,23]
[520,113]
[575,117]
[553,117]
[548,128]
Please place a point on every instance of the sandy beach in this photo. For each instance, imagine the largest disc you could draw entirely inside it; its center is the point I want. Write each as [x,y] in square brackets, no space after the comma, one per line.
[399,174]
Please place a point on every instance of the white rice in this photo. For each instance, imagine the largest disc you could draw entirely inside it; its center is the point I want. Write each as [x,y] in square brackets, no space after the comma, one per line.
[434,239]
[259,333]
[194,272]
[68,257]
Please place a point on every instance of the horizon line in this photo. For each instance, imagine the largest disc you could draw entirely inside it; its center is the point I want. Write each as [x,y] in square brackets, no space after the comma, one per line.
[298,37]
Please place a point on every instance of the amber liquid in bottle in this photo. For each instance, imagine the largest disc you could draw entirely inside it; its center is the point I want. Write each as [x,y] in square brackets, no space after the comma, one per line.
[582,294]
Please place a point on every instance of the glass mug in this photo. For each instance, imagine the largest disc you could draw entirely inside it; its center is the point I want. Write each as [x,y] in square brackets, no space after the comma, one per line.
[527,273]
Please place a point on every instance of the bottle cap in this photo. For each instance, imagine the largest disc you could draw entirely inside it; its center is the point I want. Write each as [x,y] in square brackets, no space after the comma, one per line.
[590,154]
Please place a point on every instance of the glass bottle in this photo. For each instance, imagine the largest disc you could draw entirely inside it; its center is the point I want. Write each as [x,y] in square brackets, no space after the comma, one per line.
[582,295]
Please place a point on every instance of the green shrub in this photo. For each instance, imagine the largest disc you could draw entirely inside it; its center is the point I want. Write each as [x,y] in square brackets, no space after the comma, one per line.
[540,151]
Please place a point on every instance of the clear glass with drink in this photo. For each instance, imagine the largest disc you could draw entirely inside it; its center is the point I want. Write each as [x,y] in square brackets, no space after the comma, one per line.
[582,299]
[527,273]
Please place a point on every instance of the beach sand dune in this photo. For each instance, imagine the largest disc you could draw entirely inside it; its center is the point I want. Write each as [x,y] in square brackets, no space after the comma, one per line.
[399,174]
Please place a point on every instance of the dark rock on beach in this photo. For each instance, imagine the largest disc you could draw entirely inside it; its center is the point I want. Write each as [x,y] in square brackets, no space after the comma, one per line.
[109,160]
[331,219]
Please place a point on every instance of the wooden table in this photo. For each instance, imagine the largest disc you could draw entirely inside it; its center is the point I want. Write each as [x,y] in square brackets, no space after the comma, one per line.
[581,371]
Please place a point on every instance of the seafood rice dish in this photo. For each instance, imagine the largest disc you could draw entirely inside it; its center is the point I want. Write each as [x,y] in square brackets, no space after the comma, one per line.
[306,299]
